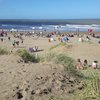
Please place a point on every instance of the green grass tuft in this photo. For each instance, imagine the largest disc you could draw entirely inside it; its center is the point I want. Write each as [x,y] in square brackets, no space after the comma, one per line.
[3,51]
[26,56]
[92,88]
[68,63]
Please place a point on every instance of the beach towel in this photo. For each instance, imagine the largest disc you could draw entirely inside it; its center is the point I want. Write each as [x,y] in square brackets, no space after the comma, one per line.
[31,50]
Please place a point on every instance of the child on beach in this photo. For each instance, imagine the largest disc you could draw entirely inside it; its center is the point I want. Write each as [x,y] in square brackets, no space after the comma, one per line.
[79,64]
[85,63]
[94,64]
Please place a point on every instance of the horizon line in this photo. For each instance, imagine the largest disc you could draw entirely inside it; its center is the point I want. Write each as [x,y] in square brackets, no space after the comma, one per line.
[51,19]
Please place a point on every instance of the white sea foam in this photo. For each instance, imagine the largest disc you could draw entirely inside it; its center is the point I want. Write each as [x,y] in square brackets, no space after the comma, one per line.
[67,27]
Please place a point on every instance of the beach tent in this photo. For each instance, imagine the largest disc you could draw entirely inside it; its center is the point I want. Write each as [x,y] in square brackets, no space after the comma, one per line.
[64,39]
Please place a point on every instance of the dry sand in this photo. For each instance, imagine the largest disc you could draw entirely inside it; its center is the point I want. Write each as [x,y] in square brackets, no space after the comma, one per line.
[16,76]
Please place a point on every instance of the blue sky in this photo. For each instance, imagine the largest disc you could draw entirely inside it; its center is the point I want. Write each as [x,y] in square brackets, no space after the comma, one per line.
[49,9]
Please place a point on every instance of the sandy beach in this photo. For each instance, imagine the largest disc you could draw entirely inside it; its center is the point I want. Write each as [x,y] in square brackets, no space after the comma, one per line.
[49,50]
[19,80]
[84,50]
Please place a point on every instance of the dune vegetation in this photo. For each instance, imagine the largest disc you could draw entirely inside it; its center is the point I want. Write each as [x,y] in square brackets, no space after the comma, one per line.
[90,89]
[3,51]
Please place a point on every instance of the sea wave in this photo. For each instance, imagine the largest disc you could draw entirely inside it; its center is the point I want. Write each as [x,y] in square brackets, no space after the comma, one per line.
[67,27]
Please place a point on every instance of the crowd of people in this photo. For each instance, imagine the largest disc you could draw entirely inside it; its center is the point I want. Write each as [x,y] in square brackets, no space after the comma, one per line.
[62,38]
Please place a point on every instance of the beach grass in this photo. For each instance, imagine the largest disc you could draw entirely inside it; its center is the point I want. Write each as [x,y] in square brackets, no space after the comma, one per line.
[3,51]
[68,64]
[92,88]
[64,60]
[27,57]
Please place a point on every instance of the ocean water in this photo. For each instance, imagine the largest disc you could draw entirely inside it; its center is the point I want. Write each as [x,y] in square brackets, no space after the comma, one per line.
[50,25]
